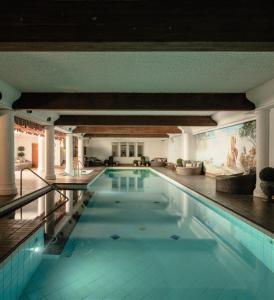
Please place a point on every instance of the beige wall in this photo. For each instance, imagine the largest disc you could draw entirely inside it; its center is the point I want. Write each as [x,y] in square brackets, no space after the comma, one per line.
[26,140]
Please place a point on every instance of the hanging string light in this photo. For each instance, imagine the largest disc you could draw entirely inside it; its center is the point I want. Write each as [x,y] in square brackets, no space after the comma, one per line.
[28,127]
[32,128]
[59,135]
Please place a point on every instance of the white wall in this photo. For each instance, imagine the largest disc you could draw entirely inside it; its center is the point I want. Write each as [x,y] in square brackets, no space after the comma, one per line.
[175,147]
[101,148]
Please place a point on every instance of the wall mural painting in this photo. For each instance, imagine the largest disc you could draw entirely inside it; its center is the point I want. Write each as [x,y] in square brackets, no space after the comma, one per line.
[228,150]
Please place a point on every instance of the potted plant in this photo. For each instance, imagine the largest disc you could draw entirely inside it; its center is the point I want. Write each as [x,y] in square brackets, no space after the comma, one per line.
[179,162]
[267,182]
[179,165]
[21,153]
[143,160]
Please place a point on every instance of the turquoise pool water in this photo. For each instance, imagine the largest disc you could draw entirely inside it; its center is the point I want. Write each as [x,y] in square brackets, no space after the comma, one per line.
[141,237]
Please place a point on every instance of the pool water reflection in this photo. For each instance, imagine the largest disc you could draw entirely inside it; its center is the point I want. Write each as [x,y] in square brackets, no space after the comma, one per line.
[167,245]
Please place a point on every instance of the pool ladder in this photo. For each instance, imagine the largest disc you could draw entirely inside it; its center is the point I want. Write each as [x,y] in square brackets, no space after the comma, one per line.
[41,178]
[64,198]
[78,167]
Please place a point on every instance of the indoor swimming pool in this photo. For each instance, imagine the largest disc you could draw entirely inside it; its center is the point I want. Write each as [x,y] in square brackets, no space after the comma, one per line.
[142,237]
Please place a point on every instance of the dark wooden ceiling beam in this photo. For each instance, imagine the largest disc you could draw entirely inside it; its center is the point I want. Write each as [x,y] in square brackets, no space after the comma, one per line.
[137,25]
[134,101]
[136,130]
[160,135]
[137,46]
[72,120]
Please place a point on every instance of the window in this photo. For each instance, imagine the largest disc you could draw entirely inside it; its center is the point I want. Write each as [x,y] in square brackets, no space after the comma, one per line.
[115,149]
[123,149]
[131,150]
[127,149]
[140,149]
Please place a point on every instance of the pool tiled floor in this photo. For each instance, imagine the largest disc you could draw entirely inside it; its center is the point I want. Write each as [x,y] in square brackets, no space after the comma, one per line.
[148,264]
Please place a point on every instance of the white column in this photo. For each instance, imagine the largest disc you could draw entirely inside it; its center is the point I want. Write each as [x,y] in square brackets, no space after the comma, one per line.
[69,203]
[69,154]
[49,140]
[119,149]
[81,150]
[50,220]
[41,205]
[7,175]
[170,150]
[41,154]
[187,143]
[271,138]
[262,146]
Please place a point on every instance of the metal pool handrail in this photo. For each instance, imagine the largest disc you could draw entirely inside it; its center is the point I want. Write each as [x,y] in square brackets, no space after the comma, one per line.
[78,166]
[51,185]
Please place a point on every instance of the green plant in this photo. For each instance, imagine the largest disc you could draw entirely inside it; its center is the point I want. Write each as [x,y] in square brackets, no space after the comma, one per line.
[248,130]
[21,152]
[135,161]
[21,148]
[267,174]
[179,162]
[143,160]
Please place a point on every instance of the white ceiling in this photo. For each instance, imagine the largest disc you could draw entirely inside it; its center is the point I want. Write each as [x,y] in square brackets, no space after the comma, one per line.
[136,71]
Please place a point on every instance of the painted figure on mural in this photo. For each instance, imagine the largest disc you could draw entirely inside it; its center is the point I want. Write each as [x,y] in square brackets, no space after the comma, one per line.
[228,150]
[248,159]
[231,160]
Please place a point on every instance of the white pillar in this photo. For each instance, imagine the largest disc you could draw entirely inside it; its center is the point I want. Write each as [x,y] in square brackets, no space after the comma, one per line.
[41,205]
[81,150]
[50,219]
[170,150]
[271,138]
[69,203]
[69,154]
[187,143]
[119,149]
[7,175]
[41,154]
[49,140]
[262,147]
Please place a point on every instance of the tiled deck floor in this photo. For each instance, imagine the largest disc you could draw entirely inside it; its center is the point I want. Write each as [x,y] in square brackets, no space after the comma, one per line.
[252,208]
[84,179]
[30,184]
[13,233]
